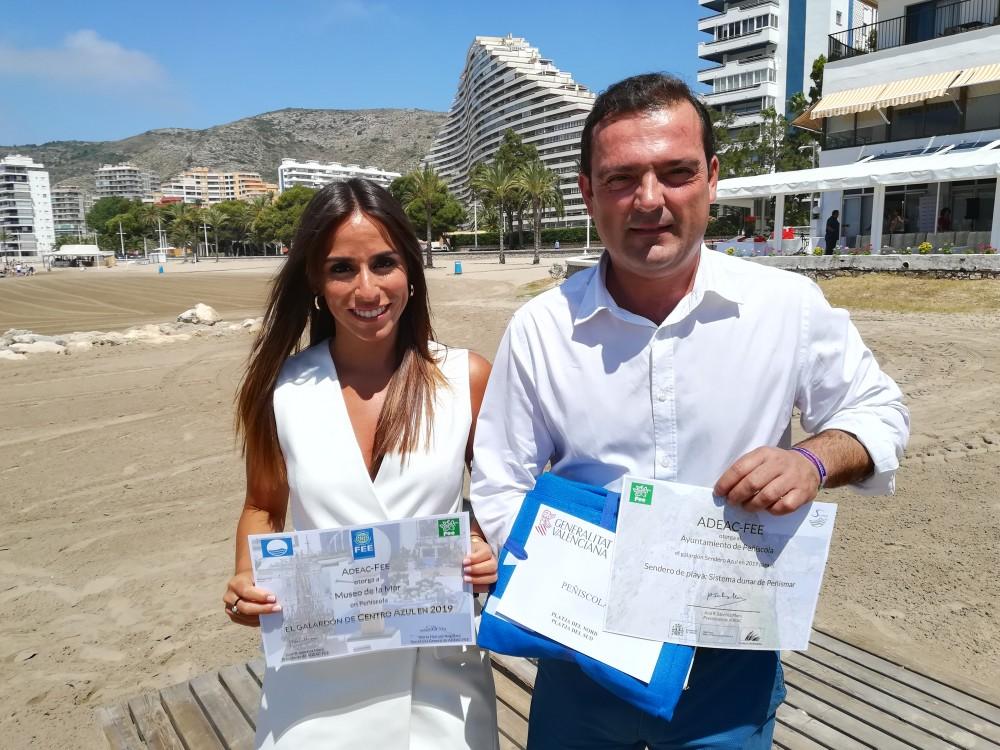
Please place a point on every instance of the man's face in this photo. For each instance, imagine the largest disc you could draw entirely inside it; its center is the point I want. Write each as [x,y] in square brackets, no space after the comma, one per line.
[649,190]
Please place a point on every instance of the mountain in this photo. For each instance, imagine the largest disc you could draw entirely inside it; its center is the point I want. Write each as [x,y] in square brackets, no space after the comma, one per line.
[393,139]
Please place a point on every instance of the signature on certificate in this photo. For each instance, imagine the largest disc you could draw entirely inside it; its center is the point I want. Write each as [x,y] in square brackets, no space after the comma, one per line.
[723,599]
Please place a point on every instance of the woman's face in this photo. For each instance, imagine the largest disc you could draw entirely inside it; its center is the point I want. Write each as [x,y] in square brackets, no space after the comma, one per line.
[365,284]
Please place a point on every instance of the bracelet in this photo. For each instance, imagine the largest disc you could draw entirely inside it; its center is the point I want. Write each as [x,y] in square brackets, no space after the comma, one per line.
[814,459]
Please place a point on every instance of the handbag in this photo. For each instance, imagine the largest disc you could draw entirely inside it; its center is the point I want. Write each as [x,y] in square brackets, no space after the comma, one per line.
[598,506]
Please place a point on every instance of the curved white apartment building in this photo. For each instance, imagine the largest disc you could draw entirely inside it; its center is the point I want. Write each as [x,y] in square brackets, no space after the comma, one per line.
[508,84]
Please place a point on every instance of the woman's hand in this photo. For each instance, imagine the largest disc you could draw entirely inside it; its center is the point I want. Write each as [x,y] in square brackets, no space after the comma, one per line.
[245,602]
[480,566]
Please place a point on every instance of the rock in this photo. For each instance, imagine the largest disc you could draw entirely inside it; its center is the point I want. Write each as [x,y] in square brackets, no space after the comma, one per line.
[75,347]
[9,355]
[248,323]
[38,347]
[87,336]
[111,338]
[200,313]
[234,327]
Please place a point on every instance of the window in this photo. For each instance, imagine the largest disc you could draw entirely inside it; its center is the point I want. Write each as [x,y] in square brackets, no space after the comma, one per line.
[840,18]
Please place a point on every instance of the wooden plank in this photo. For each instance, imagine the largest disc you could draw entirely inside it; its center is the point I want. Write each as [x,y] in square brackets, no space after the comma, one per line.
[977,706]
[153,724]
[115,722]
[223,713]
[512,725]
[850,703]
[816,730]
[244,689]
[256,668]
[512,693]
[786,738]
[844,723]
[903,691]
[191,724]
[517,668]
[891,709]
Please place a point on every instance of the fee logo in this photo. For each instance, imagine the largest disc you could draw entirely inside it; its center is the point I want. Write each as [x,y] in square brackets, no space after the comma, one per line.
[363,543]
[448,527]
[281,547]
[641,493]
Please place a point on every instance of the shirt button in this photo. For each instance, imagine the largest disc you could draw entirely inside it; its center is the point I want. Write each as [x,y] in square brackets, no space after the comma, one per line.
[662,396]
[664,462]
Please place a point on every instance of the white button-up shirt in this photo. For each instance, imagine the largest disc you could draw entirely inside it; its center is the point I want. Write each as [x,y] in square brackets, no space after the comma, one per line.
[600,392]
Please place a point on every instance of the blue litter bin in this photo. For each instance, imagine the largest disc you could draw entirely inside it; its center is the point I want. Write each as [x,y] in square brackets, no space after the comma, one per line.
[161,270]
[458,268]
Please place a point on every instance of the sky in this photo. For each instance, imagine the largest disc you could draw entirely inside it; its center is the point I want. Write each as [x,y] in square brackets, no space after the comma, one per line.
[109,69]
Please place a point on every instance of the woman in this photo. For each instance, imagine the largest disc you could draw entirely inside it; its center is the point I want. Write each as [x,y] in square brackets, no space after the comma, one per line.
[372,422]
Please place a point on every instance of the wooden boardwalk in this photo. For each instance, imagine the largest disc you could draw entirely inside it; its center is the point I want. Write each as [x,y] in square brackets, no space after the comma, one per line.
[840,697]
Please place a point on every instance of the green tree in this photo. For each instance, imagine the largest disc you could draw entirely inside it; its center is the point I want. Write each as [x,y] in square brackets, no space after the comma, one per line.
[541,186]
[422,192]
[216,218]
[495,184]
[277,220]
[515,154]
[103,211]
[816,90]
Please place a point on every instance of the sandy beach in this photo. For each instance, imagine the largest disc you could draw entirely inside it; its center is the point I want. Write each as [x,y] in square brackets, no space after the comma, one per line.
[121,486]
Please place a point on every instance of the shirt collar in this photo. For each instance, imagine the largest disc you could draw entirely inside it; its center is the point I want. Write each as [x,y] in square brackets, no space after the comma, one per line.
[714,277]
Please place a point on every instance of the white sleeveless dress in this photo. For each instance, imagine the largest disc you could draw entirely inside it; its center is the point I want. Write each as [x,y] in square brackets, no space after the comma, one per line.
[422,698]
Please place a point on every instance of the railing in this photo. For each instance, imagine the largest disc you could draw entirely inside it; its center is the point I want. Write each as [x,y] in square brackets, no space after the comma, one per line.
[922,24]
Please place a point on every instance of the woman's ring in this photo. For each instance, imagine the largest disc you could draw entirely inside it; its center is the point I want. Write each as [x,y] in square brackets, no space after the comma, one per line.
[233,609]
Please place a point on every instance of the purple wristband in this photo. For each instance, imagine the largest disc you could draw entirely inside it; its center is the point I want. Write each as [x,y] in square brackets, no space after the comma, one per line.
[815,462]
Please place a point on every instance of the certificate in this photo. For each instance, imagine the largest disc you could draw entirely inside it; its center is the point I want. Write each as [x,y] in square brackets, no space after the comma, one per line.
[364,588]
[561,591]
[690,569]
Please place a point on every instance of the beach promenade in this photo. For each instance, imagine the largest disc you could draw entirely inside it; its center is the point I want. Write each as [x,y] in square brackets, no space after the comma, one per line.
[121,486]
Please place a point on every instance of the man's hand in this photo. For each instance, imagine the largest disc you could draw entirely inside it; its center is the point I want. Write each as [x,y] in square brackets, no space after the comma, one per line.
[772,479]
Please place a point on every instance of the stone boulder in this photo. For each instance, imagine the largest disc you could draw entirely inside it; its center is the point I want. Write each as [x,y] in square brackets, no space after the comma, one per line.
[9,355]
[200,313]
[38,347]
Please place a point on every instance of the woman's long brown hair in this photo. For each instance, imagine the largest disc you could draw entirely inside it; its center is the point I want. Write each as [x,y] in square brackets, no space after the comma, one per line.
[407,414]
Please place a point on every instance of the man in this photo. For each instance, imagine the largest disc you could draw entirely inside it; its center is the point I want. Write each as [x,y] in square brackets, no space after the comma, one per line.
[673,362]
[832,232]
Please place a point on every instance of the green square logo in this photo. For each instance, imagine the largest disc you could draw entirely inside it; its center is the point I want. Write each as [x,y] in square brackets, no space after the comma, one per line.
[641,493]
[448,527]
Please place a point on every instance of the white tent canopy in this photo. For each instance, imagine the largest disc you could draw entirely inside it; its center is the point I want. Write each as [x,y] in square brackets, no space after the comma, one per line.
[980,164]
[80,251]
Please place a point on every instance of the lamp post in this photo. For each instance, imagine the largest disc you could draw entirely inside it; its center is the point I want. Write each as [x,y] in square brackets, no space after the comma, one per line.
[475,223]
[813,211]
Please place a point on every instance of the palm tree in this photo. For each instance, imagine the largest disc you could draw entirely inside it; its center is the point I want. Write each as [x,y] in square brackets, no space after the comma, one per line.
[495,182]
[541,186]
[216,218]
[426,189]
[4,237]
[183,229]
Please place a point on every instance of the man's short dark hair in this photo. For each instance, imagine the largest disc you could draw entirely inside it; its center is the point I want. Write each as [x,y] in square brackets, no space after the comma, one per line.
[638,94]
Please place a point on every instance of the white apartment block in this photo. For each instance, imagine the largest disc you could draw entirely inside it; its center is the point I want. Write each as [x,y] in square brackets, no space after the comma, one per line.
[763,50]
[508,85]
[25,208]
[315,174]
[920,86]
[206,186]
[126,181]
[70,205]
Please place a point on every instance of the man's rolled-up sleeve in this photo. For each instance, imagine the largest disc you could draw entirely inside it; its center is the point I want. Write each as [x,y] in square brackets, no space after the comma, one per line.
[842,387]
[513,443]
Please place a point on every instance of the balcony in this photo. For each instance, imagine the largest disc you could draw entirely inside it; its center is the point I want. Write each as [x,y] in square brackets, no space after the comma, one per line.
[734,12]
[921,23]
[715,51]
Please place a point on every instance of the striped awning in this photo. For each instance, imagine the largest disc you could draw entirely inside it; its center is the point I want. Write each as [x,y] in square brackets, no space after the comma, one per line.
[982,74]
[915,89]
[848,101]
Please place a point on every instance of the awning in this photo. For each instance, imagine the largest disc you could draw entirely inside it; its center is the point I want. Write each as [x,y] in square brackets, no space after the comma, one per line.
[848,101]
[915,89]
[806,122]
[972,164]
[982,74]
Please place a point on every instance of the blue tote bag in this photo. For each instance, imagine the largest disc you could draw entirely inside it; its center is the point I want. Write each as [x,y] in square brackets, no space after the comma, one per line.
[598,506]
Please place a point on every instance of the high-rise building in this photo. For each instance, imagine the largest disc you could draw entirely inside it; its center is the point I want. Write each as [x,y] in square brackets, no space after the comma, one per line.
[508,85]
[763,50]
[316,174]
[70,205]
[25,207]
[126,181]
[207,186]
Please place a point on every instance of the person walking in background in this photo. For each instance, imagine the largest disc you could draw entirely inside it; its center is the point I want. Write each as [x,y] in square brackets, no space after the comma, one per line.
[944,220]
[372,422]
[832,232]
